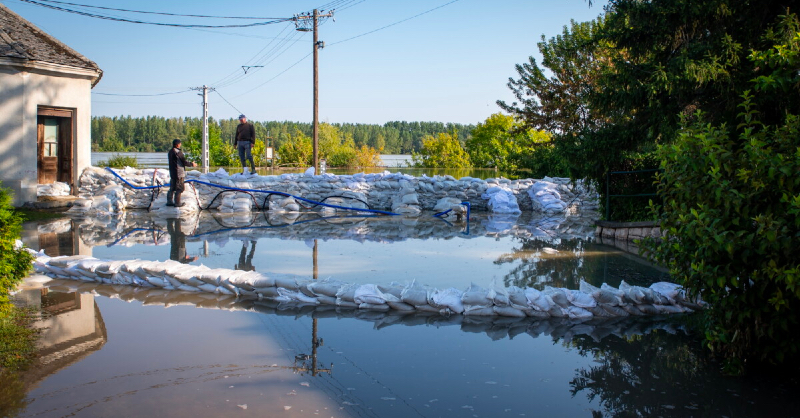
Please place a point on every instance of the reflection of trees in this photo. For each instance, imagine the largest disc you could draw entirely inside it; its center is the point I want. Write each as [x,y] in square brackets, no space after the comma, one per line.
[539,266]
[633,375]
[12,394]
[574,260]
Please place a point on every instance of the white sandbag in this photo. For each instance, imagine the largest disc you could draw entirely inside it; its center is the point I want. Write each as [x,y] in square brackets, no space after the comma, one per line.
[347,293]
[479,311]
[400,306]
[516,296]
[475,296]
[508,311]
[558,295]
[286,295]
[449,298]
[414,294]
[537,300]
[665,293]
[501,200]
[326,300]
[580,299]
[289,283]
[368,293]
[326,287]
[575,312]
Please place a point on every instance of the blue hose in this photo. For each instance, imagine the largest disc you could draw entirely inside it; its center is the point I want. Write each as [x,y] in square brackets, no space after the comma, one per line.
[253,191]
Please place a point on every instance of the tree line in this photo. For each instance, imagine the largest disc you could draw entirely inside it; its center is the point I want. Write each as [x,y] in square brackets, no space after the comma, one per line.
[155,133]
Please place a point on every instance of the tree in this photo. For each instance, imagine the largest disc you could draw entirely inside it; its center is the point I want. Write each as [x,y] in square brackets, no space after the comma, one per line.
[442,151]
[505,143]
[732,212]
[15,262]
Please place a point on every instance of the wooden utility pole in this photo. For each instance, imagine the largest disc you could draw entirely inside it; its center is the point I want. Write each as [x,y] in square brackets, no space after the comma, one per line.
[301,25]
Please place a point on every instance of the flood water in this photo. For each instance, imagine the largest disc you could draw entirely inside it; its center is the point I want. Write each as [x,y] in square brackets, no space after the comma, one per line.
[127,351]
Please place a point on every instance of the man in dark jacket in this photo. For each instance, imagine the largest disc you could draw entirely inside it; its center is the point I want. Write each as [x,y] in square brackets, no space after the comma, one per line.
[245,139]
[177,162]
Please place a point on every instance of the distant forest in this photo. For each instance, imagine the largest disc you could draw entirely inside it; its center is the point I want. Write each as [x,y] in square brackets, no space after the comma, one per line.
[155,134]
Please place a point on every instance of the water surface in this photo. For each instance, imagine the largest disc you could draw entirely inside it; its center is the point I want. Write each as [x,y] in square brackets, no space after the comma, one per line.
[126,351]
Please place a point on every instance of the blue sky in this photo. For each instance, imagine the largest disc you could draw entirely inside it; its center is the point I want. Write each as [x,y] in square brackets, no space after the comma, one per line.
[448,65]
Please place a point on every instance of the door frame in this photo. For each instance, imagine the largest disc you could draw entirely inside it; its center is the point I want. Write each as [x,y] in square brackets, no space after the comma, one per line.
[65,163]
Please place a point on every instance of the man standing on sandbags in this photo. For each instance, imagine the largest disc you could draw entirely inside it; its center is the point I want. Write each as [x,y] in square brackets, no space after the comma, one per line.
[177,173]
[244,141]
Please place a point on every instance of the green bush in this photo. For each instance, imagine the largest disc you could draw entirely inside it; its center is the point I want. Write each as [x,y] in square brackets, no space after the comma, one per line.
[120,161]
[731,205]
[442,151]
[15,263]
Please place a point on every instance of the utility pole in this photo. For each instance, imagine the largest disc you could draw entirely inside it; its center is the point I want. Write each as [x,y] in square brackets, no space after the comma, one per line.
[204,160]
[302,25]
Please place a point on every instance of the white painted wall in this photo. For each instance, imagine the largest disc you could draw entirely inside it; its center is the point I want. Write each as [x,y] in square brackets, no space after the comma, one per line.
[23,88]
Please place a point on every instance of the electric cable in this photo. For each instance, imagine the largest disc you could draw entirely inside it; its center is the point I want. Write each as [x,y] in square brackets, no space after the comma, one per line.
[141,95]
[158,13]
[395,23]
[142,22]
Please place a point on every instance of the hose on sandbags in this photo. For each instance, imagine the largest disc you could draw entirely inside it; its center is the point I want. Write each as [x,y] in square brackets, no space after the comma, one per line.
[250,191]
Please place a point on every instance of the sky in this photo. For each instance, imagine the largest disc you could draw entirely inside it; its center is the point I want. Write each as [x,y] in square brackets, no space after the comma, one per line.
[418,60]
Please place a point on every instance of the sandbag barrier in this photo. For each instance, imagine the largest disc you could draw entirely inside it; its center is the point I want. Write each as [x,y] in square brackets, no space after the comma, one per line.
[102,192]
[494,327]
[589,302]
[250,192]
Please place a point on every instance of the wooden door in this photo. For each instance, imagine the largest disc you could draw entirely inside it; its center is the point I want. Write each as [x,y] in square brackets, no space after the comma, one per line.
[54,145]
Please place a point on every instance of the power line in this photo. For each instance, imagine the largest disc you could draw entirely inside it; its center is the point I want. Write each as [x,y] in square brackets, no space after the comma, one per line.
[140,95]
[277,75]
[395,23]
[142,22]
[158,13]
[226,101]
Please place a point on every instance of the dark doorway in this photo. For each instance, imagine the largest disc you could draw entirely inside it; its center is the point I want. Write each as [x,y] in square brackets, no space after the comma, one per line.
[55,133]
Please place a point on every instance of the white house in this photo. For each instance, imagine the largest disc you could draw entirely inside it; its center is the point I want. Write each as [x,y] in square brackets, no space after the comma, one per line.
[45,108]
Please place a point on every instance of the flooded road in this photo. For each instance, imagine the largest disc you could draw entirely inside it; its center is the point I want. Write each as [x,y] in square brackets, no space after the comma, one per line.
[128,351]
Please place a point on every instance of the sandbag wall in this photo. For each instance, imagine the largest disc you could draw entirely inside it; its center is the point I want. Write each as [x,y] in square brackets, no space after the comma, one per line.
[102,192]
[583,304]
[494,327]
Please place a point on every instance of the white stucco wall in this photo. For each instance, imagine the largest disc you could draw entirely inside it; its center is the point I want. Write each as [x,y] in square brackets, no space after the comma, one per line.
[23,88]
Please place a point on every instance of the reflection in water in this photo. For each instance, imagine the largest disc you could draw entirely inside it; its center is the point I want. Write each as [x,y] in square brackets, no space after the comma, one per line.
[71,329]
[268,356]
[177,242]
[564,263]
[245,259]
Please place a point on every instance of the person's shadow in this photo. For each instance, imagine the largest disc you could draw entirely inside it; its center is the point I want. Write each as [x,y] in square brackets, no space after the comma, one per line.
[177,242]
[245,259]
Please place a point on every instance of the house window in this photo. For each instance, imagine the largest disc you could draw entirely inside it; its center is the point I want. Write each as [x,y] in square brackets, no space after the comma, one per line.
[50,137]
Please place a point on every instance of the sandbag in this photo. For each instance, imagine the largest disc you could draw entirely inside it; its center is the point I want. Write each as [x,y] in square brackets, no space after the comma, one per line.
[414,294]
[580,299]
[369,294]
[449,298]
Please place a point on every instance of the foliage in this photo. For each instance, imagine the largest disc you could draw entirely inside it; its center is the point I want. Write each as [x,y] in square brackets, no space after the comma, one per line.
[120,161]
[336,147]
[221,154]
[732,213]
[503,143]
[731,209]
[15,263]
[155,134]
[297,150]
[442,151]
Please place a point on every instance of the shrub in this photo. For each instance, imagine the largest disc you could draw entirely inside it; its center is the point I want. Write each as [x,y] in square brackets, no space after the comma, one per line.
[120,161]
[15,263]
[731,213]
